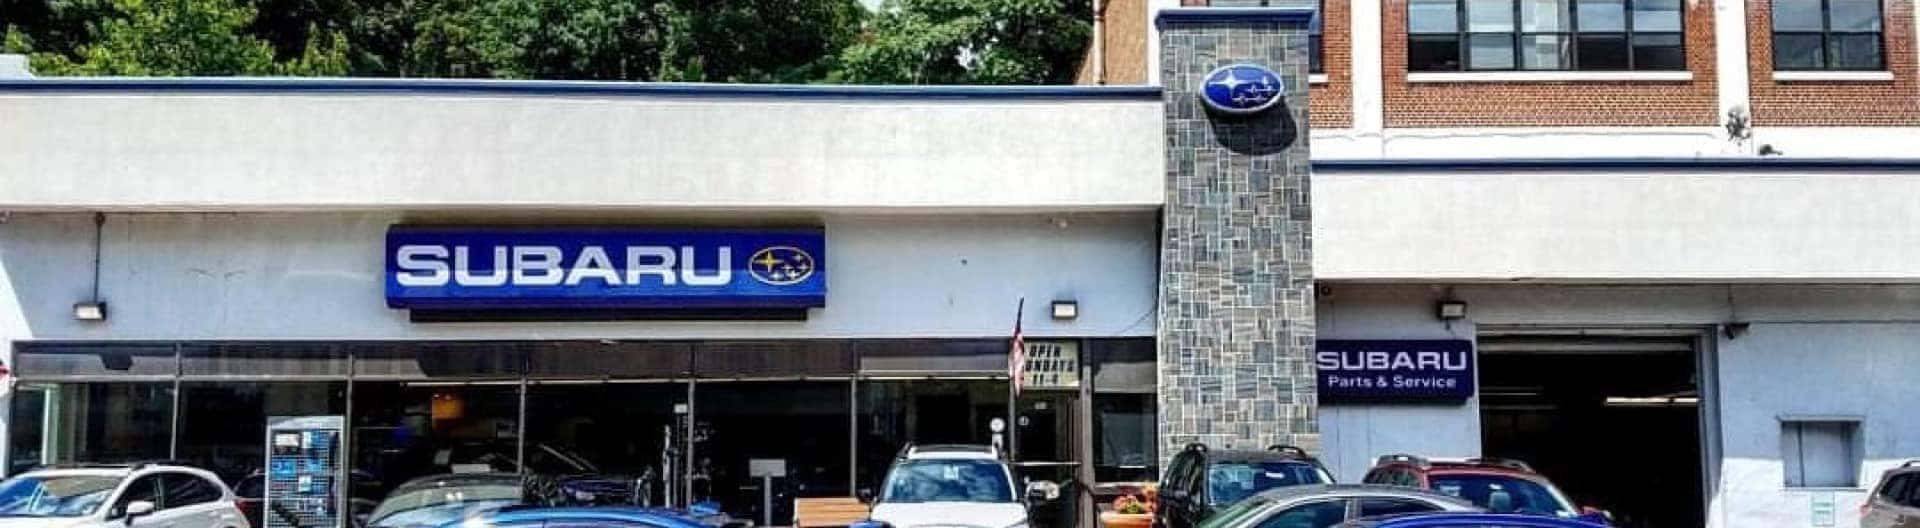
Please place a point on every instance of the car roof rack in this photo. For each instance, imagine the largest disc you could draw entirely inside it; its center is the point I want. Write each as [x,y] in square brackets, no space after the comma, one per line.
[1507,463]
[1910,463]
[1196,446]
[911,448]
[1402,458]
[1290,451]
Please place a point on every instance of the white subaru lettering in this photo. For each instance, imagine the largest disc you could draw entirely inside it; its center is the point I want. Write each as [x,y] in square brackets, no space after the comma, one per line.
[662,265]
[690,270]
[463,268]
[1378,360]
[537,266]
[593,264]
[421,265]
[1327,360]
[1402,361]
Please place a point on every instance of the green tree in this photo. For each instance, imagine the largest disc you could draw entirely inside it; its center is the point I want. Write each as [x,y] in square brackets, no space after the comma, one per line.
[969,42]
[179,38]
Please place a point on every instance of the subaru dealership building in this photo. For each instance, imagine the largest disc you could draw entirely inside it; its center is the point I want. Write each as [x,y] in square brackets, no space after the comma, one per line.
[714,288]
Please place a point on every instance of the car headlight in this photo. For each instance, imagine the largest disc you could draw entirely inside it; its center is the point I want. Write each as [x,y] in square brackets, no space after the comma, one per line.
[584,496]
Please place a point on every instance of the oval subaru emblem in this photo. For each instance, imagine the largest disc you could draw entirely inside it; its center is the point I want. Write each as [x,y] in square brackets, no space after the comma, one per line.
[780,265]
[1242,89]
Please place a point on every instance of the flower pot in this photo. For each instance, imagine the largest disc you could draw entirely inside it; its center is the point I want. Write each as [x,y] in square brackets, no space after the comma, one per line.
[1126,520]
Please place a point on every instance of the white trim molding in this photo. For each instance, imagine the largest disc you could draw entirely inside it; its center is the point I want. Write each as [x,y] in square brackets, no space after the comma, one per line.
[1832,75]
[1549,76]
[1316,78]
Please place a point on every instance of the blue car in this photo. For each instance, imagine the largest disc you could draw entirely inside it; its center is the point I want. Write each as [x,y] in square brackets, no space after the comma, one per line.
[581,517]
[1470,520]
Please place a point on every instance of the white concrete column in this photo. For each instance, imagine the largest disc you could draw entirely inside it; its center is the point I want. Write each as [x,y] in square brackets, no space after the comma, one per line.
[1369,108]
[13,326]
[1153,38]
[1730,62]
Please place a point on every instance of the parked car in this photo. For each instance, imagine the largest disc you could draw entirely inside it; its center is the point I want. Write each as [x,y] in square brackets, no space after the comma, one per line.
[1470,520]
[952,485]
[595,517]
[1325,505]
[1499,485]
[118,496]
[1895,501]
[427,502]
[1200,480]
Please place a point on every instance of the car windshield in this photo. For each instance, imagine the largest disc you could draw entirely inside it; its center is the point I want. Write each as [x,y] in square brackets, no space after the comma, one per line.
[1229,482]
[54,496]
[1503,494]
[1233,515]
[415,507]
[948,481]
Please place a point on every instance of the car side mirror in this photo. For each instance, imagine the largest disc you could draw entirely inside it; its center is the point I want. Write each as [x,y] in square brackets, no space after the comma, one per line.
[866,496]
[1589,513]
[138,509]
[1042,491]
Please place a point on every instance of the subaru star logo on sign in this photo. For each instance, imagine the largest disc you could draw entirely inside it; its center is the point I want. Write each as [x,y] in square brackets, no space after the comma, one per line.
[1242,89]
[504,268]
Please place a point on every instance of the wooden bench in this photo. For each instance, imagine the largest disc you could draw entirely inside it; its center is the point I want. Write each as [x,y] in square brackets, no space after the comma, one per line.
[828,512]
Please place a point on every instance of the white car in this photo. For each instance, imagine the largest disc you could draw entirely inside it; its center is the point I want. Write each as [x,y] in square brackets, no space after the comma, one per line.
[950,486]
[127,496]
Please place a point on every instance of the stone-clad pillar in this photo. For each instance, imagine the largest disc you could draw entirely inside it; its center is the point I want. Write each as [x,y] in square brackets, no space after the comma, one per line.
[1236,291]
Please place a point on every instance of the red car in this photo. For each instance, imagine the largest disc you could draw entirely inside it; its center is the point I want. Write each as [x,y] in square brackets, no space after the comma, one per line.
[1499,485]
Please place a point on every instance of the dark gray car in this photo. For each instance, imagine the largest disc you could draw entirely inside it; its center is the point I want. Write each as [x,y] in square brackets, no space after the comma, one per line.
[1325,505]
[1895,502]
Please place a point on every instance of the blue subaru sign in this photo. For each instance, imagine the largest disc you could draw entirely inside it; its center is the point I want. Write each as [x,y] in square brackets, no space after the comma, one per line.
[561,268]
[1242,89]
[1395,370]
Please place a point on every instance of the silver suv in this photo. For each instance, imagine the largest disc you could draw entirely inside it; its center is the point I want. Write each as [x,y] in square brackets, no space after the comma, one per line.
[118,496]
[1895,503]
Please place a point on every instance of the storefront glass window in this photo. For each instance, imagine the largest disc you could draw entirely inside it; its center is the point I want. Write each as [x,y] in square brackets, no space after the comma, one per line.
[24,433]
[619,428]
[734,422]
[895,413]
[223,424]
[109,422]
[406,430]
[1126,449]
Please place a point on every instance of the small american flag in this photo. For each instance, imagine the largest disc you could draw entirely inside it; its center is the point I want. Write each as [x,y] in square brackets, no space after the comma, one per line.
[1017,357]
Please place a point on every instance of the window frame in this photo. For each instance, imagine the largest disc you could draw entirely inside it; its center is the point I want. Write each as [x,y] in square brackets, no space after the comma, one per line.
[1852,457]
[1569,34]
[1827,34]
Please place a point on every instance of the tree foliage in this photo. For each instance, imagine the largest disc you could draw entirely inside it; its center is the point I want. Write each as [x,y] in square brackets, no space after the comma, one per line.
[742,41]
[970,42]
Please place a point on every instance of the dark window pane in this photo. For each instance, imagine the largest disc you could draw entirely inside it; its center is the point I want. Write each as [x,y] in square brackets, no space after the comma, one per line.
[180,489]
[1310,515]
[1656,15]
[1377,506]
[1602,15]
[1433,53]
[1544,16]
[147,488]
[1855,52]
[1658,51]
[1545,52]
[1603,52]
[1490,15]
[1490,52]
[1433,16]
[1314,59]
[1853,15]
[1797,51]
[1797,15]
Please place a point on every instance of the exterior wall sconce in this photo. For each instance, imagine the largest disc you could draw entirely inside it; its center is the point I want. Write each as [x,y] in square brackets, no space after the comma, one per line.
[1451,310]
[90,311]
[1066,310]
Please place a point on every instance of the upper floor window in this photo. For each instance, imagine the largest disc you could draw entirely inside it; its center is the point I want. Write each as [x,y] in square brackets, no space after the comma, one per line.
[1605,35]
[1314,47]
[1827,35]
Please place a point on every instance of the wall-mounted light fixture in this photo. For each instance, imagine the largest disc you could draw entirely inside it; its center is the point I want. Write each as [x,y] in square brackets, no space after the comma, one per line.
[1735,330]
[1451,310]
[1066,310]
[94,309]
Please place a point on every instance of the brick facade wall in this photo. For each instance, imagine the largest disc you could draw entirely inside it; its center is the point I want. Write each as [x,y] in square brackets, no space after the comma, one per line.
[1236,310]
[1582,103]
[1124,27]
[1834,103]
[1333,100]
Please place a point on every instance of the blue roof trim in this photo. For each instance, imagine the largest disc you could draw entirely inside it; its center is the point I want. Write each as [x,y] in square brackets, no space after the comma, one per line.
[564,88]
[1301,14]
[1598,164]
